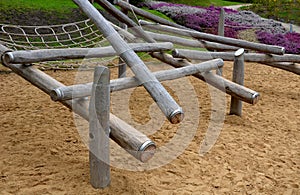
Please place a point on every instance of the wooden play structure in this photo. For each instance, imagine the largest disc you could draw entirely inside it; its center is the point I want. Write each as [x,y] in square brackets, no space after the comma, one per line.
[125,44]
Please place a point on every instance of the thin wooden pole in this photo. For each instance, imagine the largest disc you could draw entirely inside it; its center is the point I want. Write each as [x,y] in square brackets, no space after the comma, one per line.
[136,10]
[163,99]
[99,129]
[84,90]
[237,77]
[122,66]
[191,42]
[221,23]
[221,33]
[215,38]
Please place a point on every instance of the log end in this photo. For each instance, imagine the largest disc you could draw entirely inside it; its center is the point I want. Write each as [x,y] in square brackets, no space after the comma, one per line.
[175,53]
[177,116]
[56,95]
[239,52]
[147,151]
[255,98]
[6,58]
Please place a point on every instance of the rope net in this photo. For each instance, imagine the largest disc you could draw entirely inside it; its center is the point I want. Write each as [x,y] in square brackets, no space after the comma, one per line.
[83,34]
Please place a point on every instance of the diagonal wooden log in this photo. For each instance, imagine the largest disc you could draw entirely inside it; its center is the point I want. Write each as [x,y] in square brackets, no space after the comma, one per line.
[268,59]
[146,14]
[191,42]
[215,38]
[33,56]
[125,19]
[133,141]
[163,99]
[84,90]
[242,93]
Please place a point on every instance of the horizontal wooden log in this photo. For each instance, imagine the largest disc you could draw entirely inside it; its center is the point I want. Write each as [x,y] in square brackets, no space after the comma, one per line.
[163,99]
[146,14]
[240,92]
[34,56]
[122,133]
[219,39]
[270,60]
[191,42]
[83,90]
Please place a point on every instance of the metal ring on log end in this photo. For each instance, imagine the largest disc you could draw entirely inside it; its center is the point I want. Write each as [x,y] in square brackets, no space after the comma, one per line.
[56,94]
[146,151]
[176,116]
[255,98]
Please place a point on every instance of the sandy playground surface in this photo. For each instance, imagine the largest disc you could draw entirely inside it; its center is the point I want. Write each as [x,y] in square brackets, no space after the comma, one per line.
[42,152]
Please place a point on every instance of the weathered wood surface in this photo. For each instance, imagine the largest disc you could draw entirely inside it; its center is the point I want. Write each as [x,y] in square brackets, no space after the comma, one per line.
[83,90]
[99,130]
[34,56]
[215,38]
[229,87]
[191,42]
[146,14]
[221,24]
[270,60]
[160,95]
[134,138]
[237,77]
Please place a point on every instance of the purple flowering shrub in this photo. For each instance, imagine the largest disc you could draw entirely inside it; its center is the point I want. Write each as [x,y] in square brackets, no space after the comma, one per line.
[291,41]
[207,19]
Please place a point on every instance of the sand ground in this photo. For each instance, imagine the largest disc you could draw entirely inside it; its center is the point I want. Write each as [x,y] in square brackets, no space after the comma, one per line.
[259,153]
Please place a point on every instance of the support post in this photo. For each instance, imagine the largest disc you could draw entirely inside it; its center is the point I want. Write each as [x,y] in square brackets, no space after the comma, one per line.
[99,129]
[237,77]
[221,33]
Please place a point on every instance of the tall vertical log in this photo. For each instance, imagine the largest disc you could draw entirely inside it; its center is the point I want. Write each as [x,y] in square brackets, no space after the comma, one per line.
[237,77]
[99,129]
[221,33]
[163,99]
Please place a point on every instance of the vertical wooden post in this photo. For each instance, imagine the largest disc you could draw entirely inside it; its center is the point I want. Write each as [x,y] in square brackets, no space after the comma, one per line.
[221,33]
[122,65]
[99,109]
[237,77]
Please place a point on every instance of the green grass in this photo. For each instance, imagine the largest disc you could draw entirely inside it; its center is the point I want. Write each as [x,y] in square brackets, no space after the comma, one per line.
[286,12]
[60,6]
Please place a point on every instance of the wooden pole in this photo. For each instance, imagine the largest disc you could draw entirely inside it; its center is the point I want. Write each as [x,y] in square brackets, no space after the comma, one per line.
[125,135]
[237,77]
[84,90]
[122,66]
[125,19]
[270,60]
[191,42]
[229,87]
[34,56]
[163,99]
[99,129]
[215,38]
[145,14]
[221,23]
[221,32]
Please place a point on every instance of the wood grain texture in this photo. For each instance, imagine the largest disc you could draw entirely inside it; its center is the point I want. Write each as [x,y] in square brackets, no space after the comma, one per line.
[99,129]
